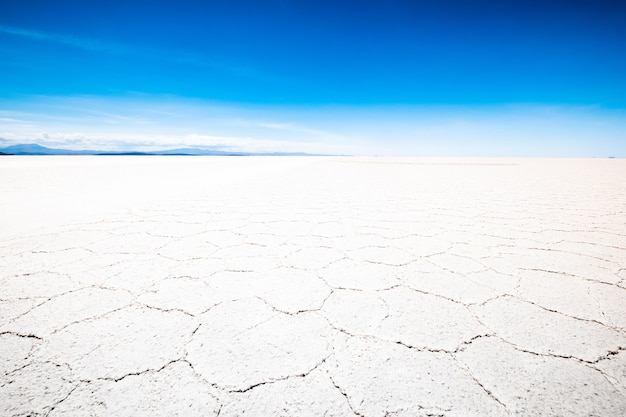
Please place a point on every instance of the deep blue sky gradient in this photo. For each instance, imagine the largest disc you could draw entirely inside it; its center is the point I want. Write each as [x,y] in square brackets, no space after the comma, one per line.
[317,53]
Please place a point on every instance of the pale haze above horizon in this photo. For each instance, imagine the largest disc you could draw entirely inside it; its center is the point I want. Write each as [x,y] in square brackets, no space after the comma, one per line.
[393,78]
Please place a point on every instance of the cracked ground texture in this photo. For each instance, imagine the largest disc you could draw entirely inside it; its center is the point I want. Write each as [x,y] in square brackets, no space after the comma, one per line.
[205,286]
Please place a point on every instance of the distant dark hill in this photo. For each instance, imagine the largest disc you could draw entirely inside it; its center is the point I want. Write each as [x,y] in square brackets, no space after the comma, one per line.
[34,149]
[120,153]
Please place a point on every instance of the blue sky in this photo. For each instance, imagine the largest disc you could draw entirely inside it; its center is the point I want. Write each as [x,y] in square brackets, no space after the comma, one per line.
[448,78]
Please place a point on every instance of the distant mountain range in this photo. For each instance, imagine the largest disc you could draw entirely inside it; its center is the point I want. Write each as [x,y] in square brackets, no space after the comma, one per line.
[34,149]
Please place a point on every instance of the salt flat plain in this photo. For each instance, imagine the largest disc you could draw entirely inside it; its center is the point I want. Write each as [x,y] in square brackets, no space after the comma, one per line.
[200,286]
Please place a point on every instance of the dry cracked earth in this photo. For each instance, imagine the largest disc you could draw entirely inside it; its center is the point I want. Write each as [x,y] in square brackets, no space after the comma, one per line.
[312,286]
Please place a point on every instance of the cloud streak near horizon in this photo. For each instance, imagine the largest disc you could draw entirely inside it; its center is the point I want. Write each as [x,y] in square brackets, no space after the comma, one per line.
[148,123]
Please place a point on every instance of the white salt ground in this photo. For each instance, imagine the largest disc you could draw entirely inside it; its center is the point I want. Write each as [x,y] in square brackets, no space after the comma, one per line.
[198,286]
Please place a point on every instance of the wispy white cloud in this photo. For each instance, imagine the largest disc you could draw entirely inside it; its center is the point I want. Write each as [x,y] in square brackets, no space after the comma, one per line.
[149,123]
[78,42]
[298,129]
[177,57]
[10,120]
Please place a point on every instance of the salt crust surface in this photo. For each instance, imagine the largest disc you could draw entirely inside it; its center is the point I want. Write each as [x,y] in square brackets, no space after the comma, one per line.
[200,286]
